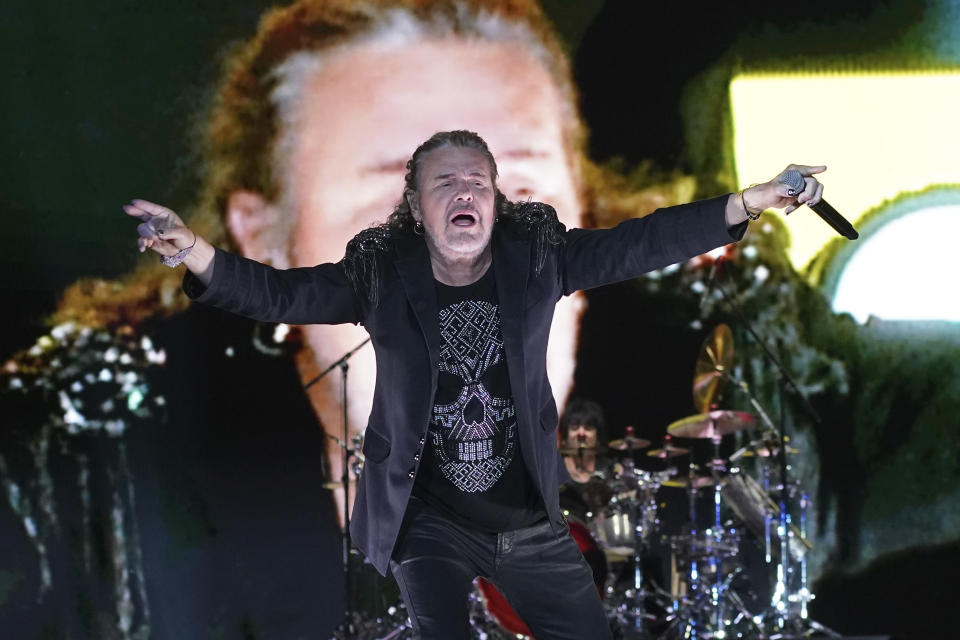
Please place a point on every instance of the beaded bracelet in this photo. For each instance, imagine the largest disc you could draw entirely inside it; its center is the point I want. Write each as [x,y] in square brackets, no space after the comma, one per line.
[750,214]
[179,256]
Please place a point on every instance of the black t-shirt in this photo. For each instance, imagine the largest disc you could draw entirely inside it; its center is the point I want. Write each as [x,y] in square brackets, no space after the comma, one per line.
[473,469]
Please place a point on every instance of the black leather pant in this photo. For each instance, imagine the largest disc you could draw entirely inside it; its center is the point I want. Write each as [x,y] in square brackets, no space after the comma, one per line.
[542,574]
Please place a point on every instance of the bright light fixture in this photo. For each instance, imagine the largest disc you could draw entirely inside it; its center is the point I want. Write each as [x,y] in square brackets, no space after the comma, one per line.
[906,270]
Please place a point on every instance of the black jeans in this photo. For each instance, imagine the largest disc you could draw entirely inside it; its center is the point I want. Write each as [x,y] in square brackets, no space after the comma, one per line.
[542,574]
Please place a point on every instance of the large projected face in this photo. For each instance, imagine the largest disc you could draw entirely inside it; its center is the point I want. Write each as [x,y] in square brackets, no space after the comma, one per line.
[368,108]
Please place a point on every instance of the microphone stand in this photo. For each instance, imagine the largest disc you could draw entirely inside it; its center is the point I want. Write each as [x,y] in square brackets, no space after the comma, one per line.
[347,627]
[581,443]
[783,618]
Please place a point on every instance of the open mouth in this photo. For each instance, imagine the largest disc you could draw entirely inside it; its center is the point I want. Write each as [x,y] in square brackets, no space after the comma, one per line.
[463,219]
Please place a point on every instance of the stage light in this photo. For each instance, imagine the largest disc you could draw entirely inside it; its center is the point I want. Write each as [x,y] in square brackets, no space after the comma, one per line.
[904,266]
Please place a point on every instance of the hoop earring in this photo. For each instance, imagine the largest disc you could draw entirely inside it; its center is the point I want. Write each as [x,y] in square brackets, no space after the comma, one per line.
[418,227]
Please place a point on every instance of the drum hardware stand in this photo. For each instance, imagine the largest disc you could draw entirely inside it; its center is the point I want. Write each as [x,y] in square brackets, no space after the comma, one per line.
[716,466]
[636,609]
[783,621]
[767,520]
[787,615]
[348,628]
[581,445]
[708,597]
[644,518]
[629,611]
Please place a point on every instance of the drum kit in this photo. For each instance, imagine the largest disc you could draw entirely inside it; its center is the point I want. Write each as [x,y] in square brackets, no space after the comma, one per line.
[615,517]
[731,514]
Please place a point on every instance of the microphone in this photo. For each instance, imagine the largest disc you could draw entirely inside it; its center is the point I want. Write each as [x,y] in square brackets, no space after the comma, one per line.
[794,179]
[711,281]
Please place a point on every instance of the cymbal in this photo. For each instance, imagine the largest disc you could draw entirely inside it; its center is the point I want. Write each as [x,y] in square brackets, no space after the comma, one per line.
[682,482]
[764,447]
[669,451]
[766,452]
[713,423]
[629,442]
[715,360]
[572,451]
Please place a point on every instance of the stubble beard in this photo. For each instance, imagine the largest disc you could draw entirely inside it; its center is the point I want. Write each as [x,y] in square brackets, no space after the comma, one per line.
[461,245]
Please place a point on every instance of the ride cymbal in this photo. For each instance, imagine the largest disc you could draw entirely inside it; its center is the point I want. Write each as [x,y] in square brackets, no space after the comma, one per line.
[712,424]
[629,442]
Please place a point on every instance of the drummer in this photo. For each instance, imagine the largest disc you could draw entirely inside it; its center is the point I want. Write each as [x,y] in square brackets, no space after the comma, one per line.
[582,430]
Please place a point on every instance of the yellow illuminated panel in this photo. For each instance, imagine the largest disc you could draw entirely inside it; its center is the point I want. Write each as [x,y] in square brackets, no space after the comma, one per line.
[878,133]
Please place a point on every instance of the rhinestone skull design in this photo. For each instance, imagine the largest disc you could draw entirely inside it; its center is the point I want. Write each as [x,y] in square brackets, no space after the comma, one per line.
[473,437]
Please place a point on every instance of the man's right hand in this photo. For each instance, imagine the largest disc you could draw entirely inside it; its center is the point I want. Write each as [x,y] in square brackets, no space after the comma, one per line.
[164,232]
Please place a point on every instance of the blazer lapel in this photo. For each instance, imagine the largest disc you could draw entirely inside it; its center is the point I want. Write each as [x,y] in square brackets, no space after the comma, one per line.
[511,266]
[413,265]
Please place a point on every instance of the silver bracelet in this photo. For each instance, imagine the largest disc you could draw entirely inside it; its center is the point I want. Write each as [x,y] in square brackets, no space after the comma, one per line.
[179,256]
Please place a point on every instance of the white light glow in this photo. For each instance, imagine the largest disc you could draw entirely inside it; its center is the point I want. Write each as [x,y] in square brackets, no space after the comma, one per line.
[907,270]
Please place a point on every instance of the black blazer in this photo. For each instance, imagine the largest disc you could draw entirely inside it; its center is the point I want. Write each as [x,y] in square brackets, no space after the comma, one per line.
[405,333]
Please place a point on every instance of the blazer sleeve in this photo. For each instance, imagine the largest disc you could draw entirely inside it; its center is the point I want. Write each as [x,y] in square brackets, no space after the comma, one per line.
[304,295]
[595,257]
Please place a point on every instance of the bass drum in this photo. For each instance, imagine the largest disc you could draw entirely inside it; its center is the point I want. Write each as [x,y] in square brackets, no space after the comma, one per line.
[500,610]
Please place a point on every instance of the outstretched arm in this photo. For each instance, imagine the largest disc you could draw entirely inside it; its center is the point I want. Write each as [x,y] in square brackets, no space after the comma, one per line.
[602,256]
[307,295]
[775,195]
[164,232]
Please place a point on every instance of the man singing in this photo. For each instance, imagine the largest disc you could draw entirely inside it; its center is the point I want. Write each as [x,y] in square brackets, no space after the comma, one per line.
[457,291]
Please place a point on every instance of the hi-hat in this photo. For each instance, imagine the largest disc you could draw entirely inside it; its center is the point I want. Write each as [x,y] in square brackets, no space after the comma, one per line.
[715,360]
[698,482]
[712,424]
[629,442]
[669,451]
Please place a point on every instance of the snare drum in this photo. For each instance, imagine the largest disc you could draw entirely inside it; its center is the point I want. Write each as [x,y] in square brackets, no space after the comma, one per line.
[615,529]
[630,513]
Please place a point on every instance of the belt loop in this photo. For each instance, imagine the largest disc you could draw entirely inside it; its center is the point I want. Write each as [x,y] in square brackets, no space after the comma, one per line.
[505,542]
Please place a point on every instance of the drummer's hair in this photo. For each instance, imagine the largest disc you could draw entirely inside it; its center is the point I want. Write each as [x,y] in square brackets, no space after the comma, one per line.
[580,411]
